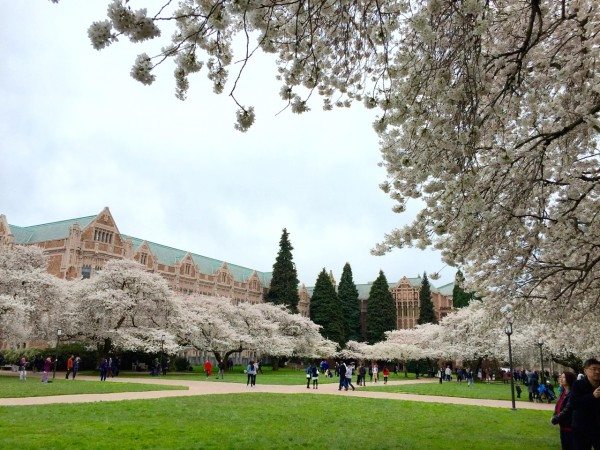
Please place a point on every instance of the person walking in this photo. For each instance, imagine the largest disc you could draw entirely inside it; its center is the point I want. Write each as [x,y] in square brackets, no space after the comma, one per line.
[341,371]
[362,371]
[76,365]
[563,413]
[103,369]
[70,362]
[251,371]
[348,377]
[386,374]
[207,368]
[448,373]
[585,403]
[23,368]
[315,377]
[308,375]
[469,377]
[47,369]
[375,372]
[221,365]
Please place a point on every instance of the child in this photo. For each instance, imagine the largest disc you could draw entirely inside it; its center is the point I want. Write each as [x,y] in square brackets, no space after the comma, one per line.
[519,390]
[386,374]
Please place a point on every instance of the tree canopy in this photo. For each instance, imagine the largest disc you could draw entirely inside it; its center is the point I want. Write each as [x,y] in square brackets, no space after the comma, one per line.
[381,310]
[284,284]
[488,114]
[326,309]
[460,298]
[426,311]
[348,295]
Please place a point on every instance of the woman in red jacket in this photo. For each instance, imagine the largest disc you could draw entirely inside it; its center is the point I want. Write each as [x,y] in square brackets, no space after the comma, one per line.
[563,412]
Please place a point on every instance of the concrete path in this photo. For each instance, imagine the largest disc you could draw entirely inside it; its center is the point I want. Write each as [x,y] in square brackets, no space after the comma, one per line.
[222,387]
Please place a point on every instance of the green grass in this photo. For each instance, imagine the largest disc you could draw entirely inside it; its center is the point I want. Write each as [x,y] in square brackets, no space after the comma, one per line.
[282,376]
[492,391]
[12,387]
[260,421]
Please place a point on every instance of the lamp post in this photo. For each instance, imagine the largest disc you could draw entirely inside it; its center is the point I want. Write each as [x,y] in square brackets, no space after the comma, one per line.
[508,330]
[541,344]
[162,354]
[58,333]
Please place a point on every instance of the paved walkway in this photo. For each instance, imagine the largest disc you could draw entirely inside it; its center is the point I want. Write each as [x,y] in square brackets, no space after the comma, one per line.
[222,387]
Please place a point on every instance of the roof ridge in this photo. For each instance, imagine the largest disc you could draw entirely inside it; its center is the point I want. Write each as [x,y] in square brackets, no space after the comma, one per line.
[55,222]
[192,253]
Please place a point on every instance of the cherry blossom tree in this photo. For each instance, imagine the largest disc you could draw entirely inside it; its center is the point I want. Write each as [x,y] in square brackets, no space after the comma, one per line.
[31,300]
[489,116]
[123,307]
[216,325]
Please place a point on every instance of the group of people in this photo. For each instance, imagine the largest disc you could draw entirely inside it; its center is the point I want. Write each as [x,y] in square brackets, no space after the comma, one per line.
[577,410]
[109,367]
[47,365]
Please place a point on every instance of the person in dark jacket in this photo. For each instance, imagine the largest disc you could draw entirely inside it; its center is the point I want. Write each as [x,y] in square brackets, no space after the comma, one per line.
[585,403]
[563,413]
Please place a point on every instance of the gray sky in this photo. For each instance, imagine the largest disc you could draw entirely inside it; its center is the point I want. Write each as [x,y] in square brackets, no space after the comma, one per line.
[78,133]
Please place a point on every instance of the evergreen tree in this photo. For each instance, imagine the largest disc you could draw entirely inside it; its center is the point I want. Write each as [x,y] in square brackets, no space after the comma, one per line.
[426,313]
[381,310]
[284,284]
[460,298]
[348,295]
[326,310]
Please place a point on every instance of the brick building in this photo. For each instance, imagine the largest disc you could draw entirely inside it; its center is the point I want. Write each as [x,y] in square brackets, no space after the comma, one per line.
[77,248]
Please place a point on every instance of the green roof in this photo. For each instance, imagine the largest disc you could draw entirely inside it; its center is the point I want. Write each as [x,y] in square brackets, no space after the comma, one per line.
[166,255]
[170,256]
[47,231]
[447,289]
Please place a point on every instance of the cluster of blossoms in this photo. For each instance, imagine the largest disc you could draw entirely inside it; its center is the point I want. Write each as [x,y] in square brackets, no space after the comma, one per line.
[135,310]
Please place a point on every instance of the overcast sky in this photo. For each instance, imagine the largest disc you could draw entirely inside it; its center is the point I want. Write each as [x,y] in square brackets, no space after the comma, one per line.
[78,133]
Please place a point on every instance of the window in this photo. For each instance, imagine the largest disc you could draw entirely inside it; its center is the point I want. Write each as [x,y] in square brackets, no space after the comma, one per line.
[86,272]
[187,269]
[103,236]
[143,258]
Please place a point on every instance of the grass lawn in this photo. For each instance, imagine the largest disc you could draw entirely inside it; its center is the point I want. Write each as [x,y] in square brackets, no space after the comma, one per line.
[282,376]
[275,421]
[12,387]
[493,391]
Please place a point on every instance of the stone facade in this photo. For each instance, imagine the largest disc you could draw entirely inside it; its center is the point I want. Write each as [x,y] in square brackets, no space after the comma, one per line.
[81,247]
[406,295]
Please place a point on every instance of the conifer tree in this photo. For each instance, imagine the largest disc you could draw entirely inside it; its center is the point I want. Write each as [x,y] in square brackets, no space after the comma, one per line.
[460,298]
[284,284]
[326,310]
[348,295]
[381,310]
[426,314]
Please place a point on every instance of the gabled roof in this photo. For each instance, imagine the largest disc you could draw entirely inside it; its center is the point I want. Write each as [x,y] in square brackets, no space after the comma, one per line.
[170,256]
[165,255]
[47,231]
[447,289]
[365,289]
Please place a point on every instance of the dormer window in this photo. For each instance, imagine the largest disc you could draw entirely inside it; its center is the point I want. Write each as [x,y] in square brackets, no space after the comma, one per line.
[101,235]
[143,258]
[187,268]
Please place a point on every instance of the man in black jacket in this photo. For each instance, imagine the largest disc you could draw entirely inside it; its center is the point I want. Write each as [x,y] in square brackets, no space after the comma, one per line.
[585,402]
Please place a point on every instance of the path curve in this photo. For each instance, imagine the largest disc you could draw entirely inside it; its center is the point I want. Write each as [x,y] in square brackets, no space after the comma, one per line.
[223,387]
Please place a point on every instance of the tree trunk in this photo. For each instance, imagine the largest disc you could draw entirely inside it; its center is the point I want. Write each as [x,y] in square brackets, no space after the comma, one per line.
[276,360]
